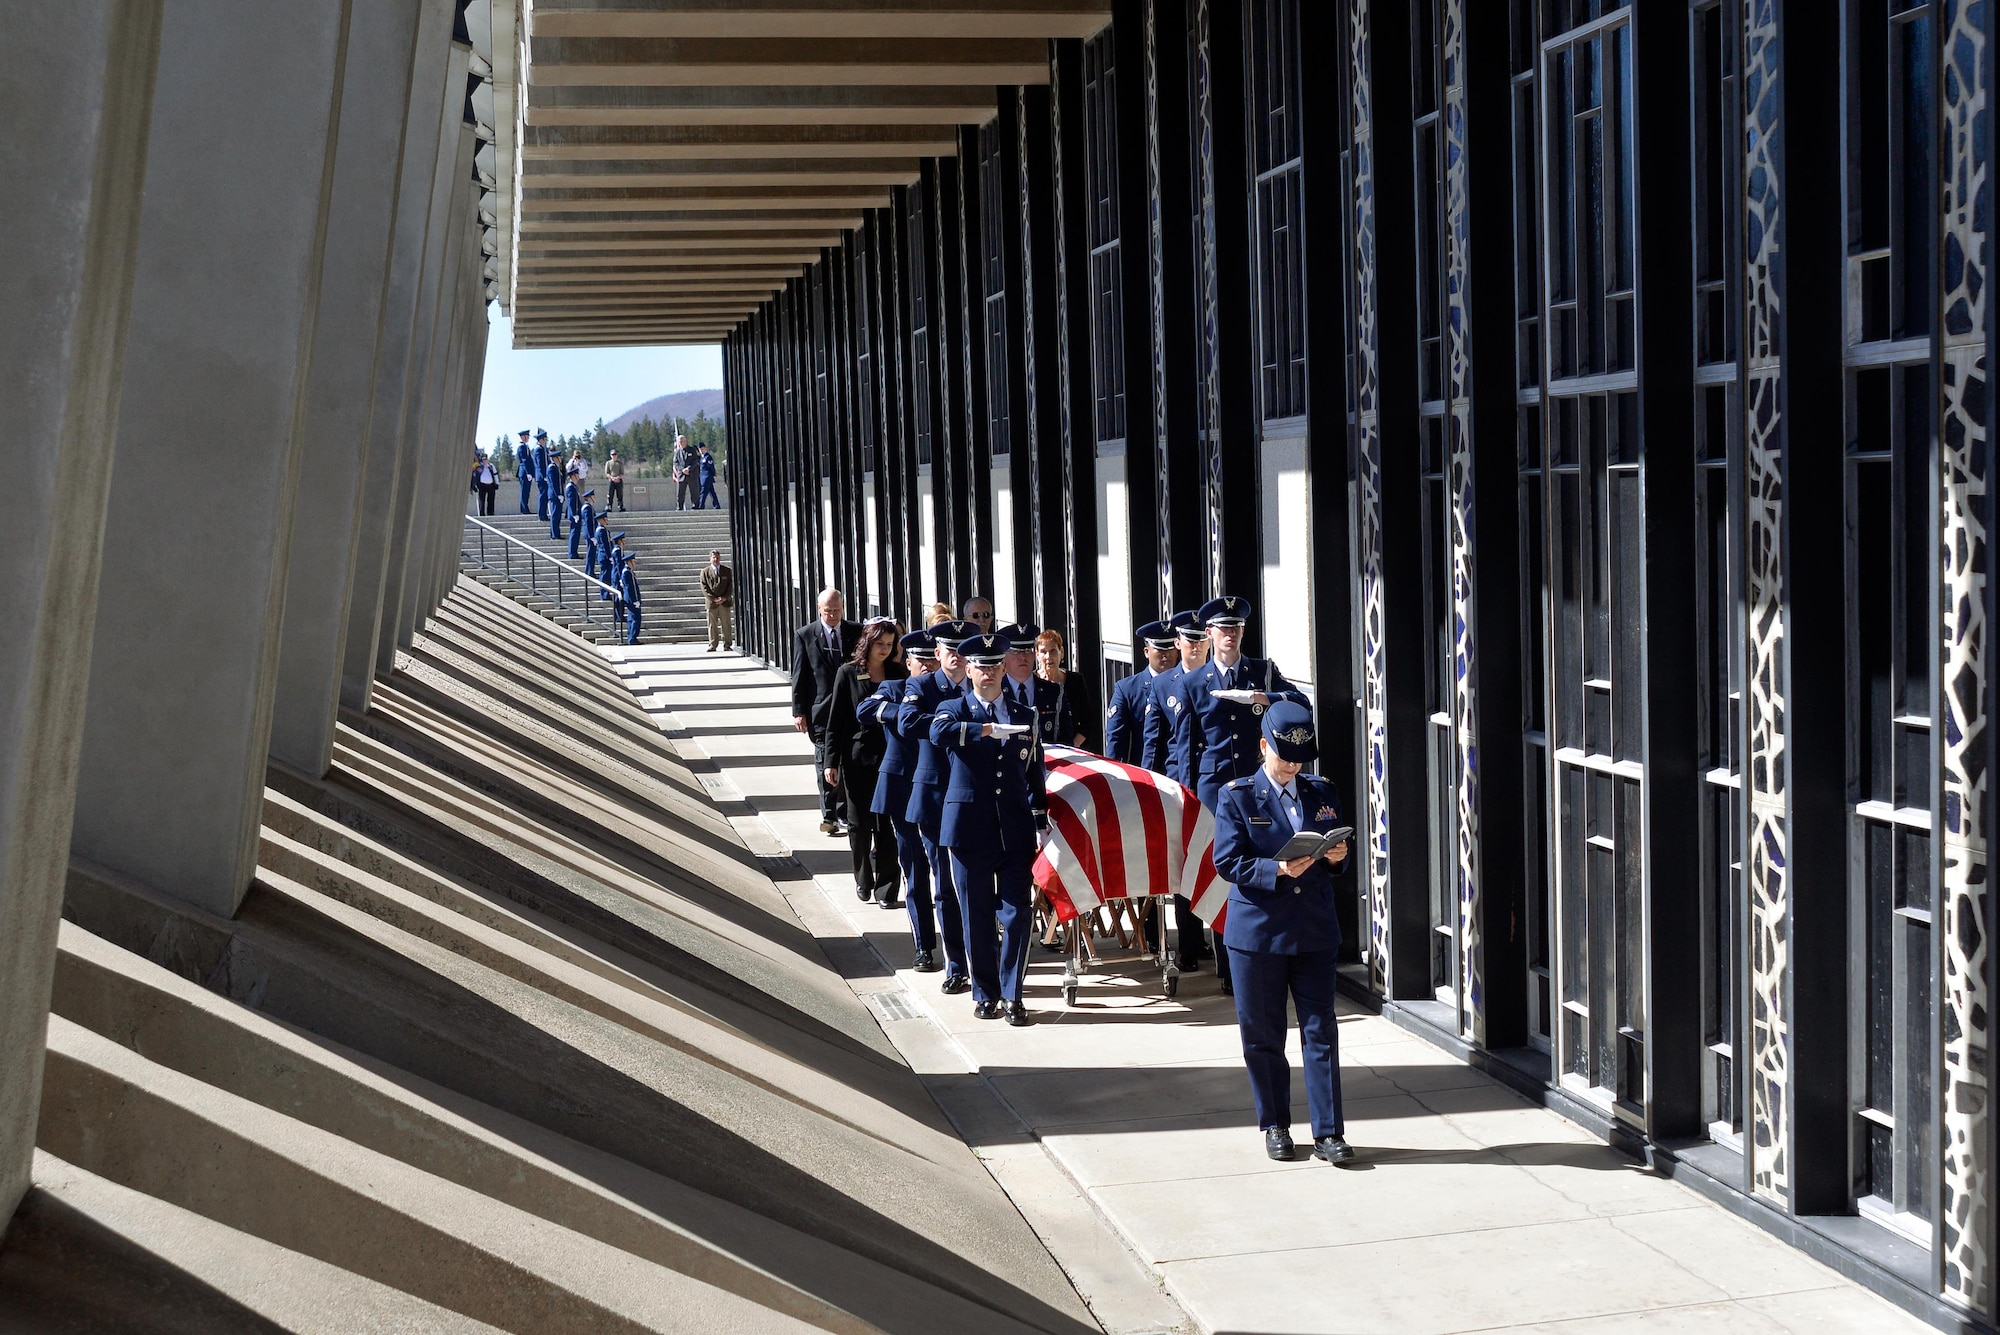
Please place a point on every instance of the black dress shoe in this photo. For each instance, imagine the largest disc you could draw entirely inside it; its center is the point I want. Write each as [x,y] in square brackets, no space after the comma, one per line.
[1228,988]
[926,962]
[985,1010]
[955,983]
[888,899]
[1017,1015]
[862,893]
[1278,1143]
[1333,1149]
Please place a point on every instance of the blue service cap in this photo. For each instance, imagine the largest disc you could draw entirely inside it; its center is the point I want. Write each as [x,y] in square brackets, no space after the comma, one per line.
[949,633]
[618,537]
[1186,624]
[588,494]
[524,431]
[1021,633]
[1156,633]
[921,643]
[541,434]
[985,650]
[1288,727]
[1225,611]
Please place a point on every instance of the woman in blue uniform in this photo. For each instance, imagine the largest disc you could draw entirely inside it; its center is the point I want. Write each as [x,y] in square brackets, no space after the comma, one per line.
[1282,931]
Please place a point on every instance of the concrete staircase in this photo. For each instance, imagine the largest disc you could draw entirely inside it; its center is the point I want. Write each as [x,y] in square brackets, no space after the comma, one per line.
[672,547]
[511,1032]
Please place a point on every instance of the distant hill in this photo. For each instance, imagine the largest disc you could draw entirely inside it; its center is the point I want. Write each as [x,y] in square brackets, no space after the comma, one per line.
[684,404]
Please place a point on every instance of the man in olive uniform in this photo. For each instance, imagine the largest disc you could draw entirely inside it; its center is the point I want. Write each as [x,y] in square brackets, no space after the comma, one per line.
[718,595]
[1282,930]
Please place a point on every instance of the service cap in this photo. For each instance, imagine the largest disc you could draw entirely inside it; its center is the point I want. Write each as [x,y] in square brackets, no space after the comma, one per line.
[1225,611]
[1187,625]
[920,643]
[1288,727]
[985,650]
[1156,633]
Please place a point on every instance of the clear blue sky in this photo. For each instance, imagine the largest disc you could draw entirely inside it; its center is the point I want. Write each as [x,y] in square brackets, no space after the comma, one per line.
[564,390]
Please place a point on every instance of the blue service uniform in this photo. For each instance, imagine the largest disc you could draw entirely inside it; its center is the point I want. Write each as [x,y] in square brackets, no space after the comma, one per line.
[892,799]
[1126,717]
[628,585]
[583,531]
[567,509]
[1225,734]
[545,481]
[524,472]
[614,569]
[923,697]
[1055,719]
[991,804]
[705,497]
[1283,938]
[1169,728]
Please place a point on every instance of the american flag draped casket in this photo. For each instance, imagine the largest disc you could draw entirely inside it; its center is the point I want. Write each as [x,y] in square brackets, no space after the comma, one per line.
[1117,831]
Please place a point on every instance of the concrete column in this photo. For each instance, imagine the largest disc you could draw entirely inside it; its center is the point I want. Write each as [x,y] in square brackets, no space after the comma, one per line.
[375,99]
[442,459]
[430,295]
[76,86]
[198,529]
[387,447]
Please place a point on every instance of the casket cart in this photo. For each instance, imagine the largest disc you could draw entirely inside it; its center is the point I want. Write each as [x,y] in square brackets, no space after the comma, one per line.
[1119,833]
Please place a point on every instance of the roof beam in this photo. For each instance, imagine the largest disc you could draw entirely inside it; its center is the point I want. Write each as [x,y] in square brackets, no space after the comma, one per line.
[819,18]
[724,172]
[609,143]
[731,62]
[842,106]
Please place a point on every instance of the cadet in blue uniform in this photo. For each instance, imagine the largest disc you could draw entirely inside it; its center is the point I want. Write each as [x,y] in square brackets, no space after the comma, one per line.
[594,544]
[524,469]
[544,475]
[628,586]
[705,469]
[993,805]
[582,526]
[1169,737]
[1282,931]
[570,506]
[614,561]
[922,698]
[1132,699]
[1054,722]
[892,794]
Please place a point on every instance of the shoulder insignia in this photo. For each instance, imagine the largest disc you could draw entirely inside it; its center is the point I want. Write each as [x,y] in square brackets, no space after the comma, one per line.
[1111,710]
[1242,783]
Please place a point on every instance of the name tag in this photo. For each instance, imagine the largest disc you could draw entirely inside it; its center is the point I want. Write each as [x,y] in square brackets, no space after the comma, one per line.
[1259,820]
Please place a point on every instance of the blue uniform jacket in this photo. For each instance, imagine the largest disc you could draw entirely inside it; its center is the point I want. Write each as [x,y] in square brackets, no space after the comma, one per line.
[922,698]
[572,502]
[1225,734]
[996,787]
[705,466]
[542,464]
[1055,719]
[899,755]
[614,563]
[1169,733]
[1126,717]
[628,584]
[1268,911]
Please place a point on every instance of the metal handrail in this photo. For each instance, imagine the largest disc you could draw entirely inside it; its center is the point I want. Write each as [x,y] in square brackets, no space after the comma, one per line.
[535,557]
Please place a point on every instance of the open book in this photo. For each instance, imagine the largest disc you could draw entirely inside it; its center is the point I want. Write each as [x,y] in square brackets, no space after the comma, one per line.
[1314,843]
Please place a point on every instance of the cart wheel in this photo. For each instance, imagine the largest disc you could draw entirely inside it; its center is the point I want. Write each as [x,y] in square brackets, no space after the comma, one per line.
[1069,994]
[1173,984]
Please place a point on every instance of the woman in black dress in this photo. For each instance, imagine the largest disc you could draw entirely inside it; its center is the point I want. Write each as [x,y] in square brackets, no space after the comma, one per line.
[858,746]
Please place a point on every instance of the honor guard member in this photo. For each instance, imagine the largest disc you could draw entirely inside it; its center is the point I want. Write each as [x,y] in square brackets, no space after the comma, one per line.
[614,567]
[524,469]
[1226,731]
[994,804]
[1132,698]
[594,543]
[704,464]
[892,793]
[544,475]
[1055,723]
[922,698]
[581,523]
[1282,931]
[571,507]
[604,552]
[628,587]
[1169,732]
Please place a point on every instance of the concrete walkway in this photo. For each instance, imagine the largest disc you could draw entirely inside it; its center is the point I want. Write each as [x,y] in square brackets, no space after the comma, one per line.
[1123,1131]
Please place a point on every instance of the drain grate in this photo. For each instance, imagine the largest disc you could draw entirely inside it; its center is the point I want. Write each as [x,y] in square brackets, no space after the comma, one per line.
[893,1005]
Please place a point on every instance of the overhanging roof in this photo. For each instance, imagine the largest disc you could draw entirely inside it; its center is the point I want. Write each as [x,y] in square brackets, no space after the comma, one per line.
[671,164]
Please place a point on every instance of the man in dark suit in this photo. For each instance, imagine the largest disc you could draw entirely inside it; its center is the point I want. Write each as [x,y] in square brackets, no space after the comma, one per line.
[1282,930]
[818,650]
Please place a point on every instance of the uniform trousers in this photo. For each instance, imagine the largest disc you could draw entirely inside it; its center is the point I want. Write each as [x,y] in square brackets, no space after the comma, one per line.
[1263,981]
[632,623]
[721,625]
[950,904]
[527,485]
[555,521]
[542,501]
[871,838]
[996,891]
[575,538]
[916,867]
[706,497]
